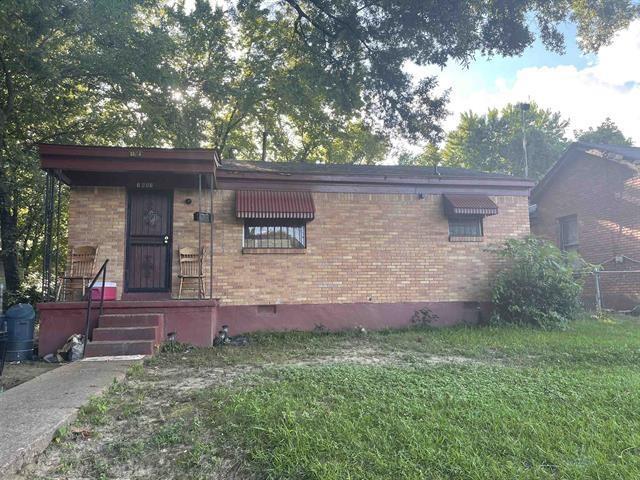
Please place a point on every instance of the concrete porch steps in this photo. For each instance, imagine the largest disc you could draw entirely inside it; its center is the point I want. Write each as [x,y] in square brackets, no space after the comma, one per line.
[126,334]
[131,320]
[120,347]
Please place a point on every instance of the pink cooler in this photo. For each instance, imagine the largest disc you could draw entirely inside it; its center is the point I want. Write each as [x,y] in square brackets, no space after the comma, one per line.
[110,290]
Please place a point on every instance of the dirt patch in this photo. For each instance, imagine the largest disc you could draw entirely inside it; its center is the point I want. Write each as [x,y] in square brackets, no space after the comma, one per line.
[16,373]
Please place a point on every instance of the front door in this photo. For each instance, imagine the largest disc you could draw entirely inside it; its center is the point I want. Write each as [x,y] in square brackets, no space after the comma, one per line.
[149,224]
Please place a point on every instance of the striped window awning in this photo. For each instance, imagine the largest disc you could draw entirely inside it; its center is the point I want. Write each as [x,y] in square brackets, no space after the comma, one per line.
[269,204]
[469,205]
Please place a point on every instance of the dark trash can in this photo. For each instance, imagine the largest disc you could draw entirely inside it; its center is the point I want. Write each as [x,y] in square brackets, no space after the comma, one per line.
[20,321]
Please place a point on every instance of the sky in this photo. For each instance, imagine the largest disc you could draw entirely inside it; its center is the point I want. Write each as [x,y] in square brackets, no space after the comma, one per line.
[584,88]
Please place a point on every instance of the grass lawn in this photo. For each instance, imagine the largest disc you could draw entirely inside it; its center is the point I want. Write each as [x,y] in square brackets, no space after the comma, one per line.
[459,403]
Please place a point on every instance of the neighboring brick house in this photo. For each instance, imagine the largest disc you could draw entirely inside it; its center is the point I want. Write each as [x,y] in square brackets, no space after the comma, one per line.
[295,246]
[589,201]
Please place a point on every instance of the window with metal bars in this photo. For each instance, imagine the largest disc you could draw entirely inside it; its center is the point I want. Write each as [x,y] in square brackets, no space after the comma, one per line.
[274,233]
[467,227]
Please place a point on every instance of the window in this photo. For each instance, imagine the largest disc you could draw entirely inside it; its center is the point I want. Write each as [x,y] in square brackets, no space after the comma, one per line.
[568,232]
[465,227]
[275,233]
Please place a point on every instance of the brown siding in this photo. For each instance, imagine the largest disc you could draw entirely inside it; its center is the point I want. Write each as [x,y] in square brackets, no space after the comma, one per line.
[605,196]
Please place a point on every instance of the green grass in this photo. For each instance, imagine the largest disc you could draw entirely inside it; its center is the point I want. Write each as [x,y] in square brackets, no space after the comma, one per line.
[457,403]
[559,404]
[476,422]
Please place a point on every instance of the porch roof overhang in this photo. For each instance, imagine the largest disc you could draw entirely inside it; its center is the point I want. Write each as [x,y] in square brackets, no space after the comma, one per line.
[126,166]
[231,177]
[460,205]
[270,204]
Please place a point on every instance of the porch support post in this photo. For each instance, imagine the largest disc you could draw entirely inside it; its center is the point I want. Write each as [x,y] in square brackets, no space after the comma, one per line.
[211,237]
[57,240]
[199,228]
[48,226]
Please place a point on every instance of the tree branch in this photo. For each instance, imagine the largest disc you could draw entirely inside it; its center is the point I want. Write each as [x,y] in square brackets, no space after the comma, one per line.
[346,25]
[302,14]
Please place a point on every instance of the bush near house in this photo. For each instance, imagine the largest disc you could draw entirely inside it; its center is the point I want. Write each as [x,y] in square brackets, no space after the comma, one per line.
[541,286]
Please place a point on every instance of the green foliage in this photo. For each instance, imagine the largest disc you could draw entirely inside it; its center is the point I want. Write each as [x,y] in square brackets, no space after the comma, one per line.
[365,47]
[607,132]
[95,412]
[245,86]
[26,294]
[175,347]
[538,286]
[493,142]
[70,72]
[430,157]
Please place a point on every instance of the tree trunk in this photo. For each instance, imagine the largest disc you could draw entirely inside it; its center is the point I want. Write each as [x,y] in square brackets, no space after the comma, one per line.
[8,222]
[9,237]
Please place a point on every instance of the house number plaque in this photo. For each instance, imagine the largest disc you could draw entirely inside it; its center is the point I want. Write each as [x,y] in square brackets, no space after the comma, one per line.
[144,185]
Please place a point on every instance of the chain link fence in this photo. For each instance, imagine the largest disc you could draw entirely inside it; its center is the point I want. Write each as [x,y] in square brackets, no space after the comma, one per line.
[612,289]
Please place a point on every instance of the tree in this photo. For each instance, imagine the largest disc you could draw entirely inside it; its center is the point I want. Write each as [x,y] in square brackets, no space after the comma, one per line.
[493,142]
[607,132]
[431,156]
[69,72]
[365,45]
[246,87]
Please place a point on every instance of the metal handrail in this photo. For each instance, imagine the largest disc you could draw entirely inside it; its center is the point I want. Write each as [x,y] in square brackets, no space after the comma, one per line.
[103,271]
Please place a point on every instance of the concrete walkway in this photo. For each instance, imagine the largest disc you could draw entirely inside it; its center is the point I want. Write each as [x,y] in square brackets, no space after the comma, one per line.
[31,413]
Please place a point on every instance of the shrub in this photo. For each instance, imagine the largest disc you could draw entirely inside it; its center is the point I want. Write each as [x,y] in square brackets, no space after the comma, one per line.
[540,286]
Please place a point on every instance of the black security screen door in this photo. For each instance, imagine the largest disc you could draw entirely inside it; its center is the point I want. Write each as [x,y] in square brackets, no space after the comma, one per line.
[149,241]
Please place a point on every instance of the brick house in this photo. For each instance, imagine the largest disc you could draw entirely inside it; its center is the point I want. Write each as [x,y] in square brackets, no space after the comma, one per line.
[295,246]
[589,201]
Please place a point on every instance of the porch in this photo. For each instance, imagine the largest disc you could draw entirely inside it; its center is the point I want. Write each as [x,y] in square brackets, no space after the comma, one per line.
[139,211]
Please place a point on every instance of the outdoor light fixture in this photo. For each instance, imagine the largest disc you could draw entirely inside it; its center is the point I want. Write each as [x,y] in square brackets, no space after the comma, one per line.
[188,201]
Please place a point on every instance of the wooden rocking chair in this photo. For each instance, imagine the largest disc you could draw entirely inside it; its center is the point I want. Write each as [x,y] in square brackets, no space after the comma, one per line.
[82,264]
[191,269]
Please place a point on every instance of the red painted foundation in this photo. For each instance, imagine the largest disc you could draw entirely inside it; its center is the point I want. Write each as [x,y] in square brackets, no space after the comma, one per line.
[343,316]
[197,321]
[194,321]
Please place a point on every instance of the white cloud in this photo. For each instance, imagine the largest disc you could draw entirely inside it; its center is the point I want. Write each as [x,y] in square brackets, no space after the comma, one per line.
[608,87]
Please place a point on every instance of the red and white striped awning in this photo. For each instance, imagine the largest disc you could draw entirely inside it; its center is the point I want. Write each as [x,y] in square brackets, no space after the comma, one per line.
[469,205]
[269,204]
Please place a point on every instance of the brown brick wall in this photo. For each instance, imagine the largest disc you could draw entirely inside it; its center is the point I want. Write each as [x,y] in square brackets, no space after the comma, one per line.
[605,196]
[360,248]
[97,216]
[185,234]
[365,247]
